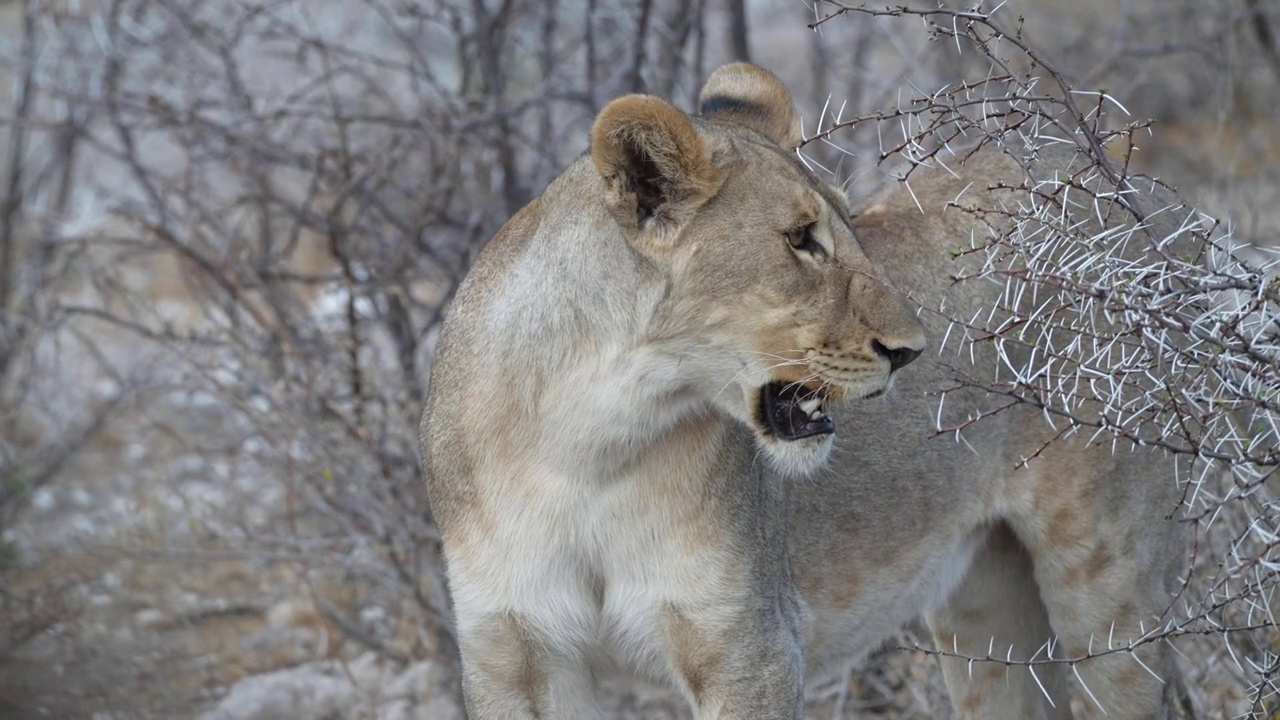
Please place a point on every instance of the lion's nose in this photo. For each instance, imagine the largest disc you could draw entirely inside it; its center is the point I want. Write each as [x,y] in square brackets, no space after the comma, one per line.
[897,357]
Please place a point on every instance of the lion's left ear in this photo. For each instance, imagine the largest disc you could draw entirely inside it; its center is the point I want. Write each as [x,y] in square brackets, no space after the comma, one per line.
[751,96]
[657,170]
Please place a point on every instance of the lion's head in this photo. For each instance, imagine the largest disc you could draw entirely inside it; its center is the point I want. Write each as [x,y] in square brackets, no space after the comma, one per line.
[766,283]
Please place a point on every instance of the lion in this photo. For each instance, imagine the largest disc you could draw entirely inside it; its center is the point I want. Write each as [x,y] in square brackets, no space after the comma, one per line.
[651,446]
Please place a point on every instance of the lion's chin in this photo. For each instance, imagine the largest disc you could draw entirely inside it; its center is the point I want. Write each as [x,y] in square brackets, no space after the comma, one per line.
[797,458]
[792,424]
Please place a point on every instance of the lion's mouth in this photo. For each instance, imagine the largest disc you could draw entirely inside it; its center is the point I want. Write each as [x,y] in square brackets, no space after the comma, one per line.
[792,411]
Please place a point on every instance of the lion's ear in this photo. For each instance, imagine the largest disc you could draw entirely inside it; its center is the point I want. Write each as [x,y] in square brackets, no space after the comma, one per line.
[754,97]
[656,168]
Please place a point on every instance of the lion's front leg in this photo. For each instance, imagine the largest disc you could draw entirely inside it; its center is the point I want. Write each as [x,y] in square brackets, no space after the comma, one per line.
[765,682]
[526,620]
[751,667]
[512,672]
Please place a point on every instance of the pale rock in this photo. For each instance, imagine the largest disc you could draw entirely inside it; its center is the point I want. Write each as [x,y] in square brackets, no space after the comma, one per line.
[317,691]
[44,499]
[149,618]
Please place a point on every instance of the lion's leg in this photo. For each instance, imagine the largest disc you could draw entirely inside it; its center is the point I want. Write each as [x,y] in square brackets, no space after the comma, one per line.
[1098,607]
[996,611]
[753,670]
[1105,560]
[511,672]
[525,618]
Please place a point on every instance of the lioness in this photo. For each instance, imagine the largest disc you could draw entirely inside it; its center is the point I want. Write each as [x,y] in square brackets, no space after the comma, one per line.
[636,460]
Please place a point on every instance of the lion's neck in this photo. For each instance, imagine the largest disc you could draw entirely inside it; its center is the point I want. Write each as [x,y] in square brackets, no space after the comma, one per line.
[579,378]
[616,408]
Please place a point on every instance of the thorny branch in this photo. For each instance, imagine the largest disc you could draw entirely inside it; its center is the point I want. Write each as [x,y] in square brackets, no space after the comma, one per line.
[1127,317]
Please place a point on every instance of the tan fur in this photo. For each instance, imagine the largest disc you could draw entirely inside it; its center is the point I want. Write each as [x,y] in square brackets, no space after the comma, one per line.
[753,97]
[610,498]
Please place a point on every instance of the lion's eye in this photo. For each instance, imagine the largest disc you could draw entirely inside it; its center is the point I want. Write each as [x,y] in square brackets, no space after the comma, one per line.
[802,239]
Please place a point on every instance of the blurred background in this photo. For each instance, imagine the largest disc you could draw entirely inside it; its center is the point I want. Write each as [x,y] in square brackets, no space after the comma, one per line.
[228,229]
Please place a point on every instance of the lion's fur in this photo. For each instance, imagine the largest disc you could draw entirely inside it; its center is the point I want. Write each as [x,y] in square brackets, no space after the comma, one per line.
[607,499]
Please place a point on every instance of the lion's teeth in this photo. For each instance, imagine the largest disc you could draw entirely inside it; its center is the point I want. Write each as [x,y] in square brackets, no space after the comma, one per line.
[811,407]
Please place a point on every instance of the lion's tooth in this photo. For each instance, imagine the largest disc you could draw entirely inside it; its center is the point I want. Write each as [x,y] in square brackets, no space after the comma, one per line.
[810,407]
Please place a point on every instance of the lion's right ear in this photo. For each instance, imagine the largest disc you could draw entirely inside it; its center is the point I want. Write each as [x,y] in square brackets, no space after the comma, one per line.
[657,171]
